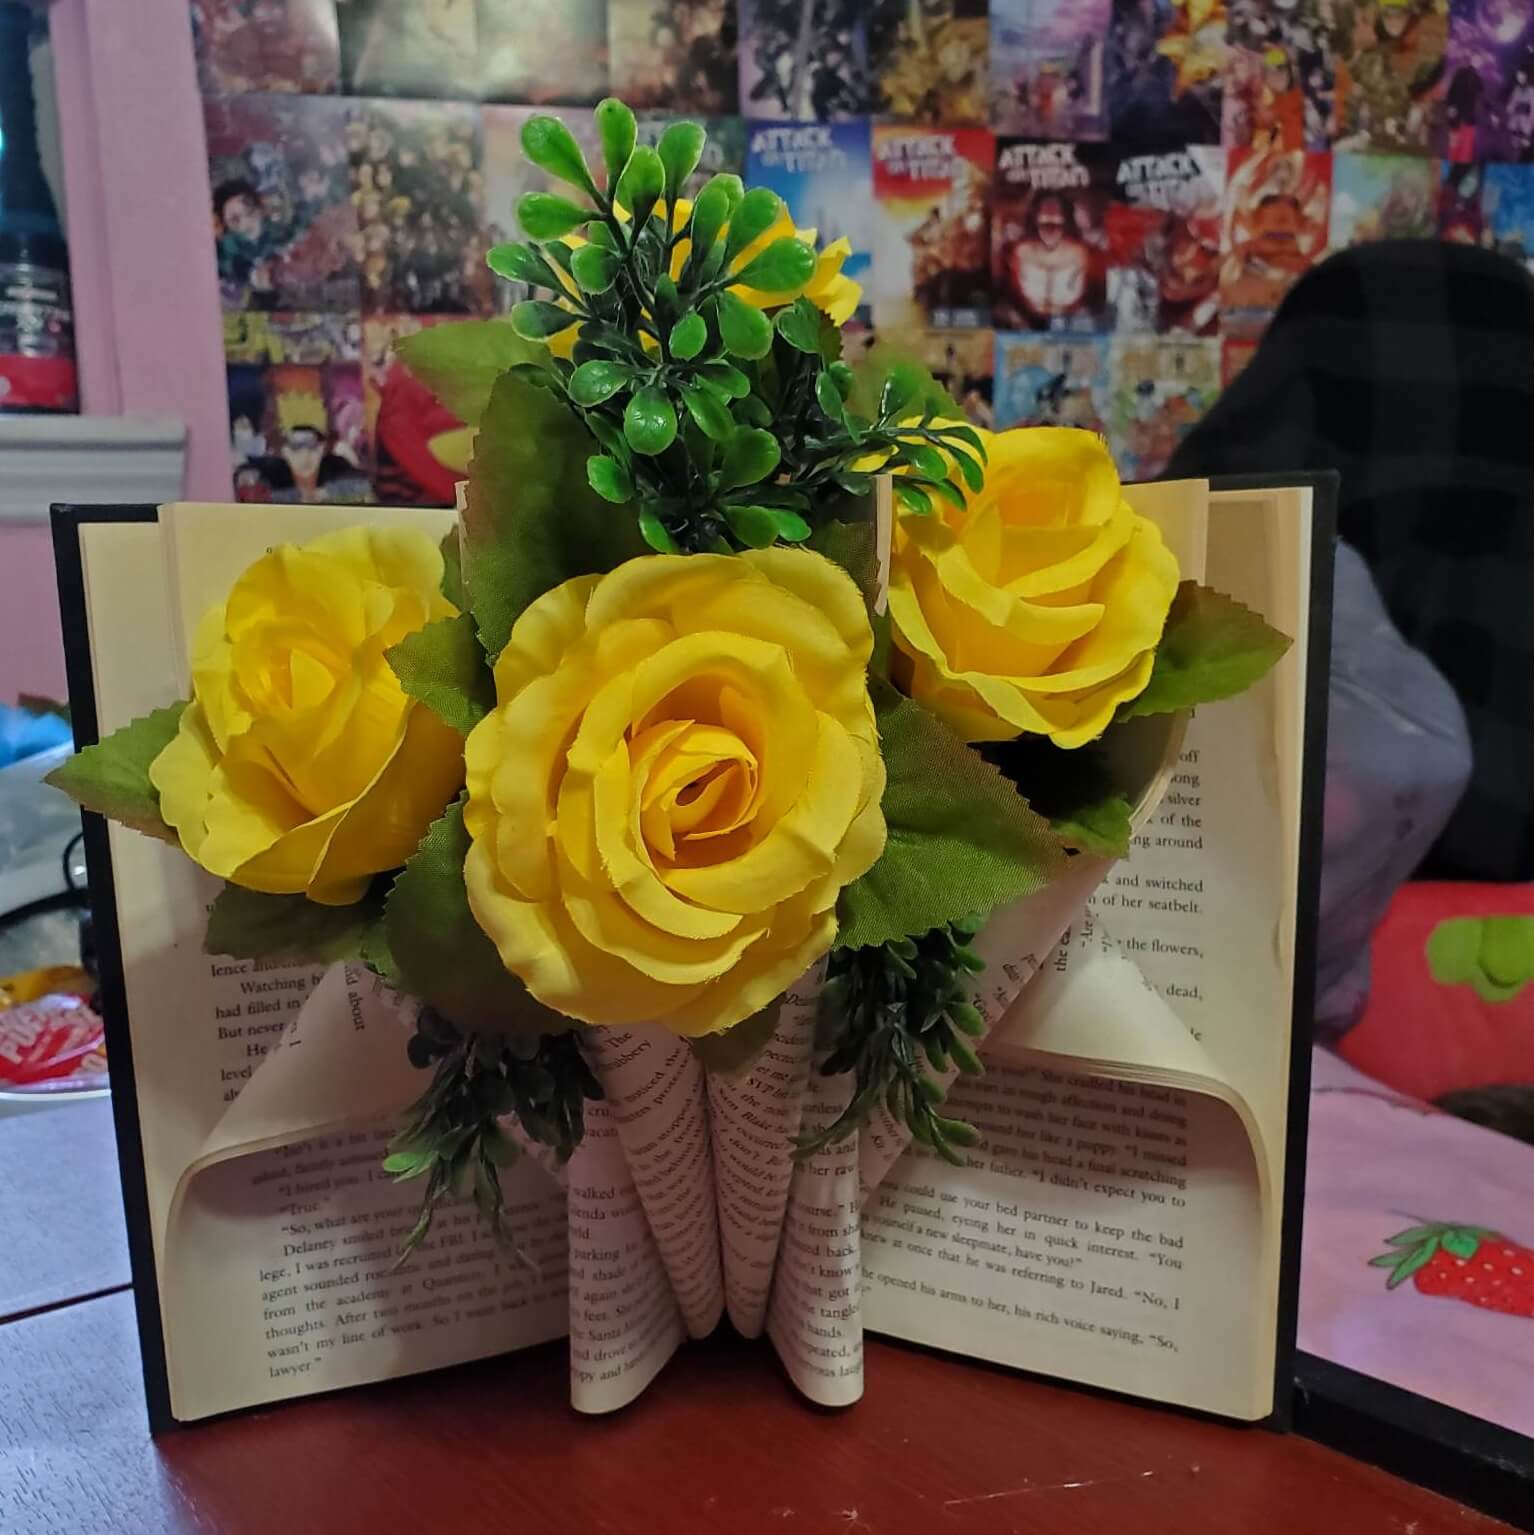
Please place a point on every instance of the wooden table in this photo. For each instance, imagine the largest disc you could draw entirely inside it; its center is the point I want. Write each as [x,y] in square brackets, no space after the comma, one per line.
[719,1444]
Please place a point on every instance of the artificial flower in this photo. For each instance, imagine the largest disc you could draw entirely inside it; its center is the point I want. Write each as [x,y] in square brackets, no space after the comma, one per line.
[1038,607]
[681,774]
[300,765]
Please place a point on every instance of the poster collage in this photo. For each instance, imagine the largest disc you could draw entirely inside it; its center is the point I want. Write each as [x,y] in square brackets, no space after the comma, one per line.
[1079,212]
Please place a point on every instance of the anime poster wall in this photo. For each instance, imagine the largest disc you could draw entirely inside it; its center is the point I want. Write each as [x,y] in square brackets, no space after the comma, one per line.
[803,60]
[1165,69]
[420,449]
[1280,74]
[676,55]
[1049,235]
[1047,68]
[929,60]
[962,361]
[1158,387]
[1051,380]
[1276,225]
[1383,197]
[248,46]
[1489,95]
[932,226]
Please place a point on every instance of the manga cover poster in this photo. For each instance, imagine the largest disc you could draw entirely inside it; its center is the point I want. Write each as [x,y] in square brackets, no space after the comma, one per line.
[420,448]
[284,227]
[1165,69]
[1235,353]
[1508,201]
[1389,74]
[1049,235]
[538,51]
[1488,104]
[803,60]
[1047,68]
[725,149]
[1277,215]
[962,361]
[248,46]
[297,429]
[257,335]
[419,194]
[822,172]
[1383,197]
[1158,387]
[1164,240]
[1280,74]
[932,225]
[930,60]
[1051,380]
[678,55]
[1461,204]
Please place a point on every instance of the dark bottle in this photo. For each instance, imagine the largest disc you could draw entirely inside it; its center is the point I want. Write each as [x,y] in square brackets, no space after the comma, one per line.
[37,337]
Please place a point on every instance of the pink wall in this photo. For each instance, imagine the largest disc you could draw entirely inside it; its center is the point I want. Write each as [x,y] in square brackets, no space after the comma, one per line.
[31,657]
[140,237]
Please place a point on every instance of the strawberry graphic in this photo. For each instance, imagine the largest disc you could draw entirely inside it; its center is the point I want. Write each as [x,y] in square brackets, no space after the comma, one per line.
[1467,1263]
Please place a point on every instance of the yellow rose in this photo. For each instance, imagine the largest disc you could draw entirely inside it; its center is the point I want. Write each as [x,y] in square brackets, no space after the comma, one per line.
[681,774]
[1038,608]
[301,765]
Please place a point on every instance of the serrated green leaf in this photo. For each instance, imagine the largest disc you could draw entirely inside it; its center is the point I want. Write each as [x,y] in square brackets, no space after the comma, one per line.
[641,184]
[595,269]
[521,263]
[680,148]
[754,526]
[552,147]
[532,519]
[654,533]
[649,421]
[610,479]
[749,457]
[712,416]
[753,216]
[598,380]
[799,326]
[246,924]
[744,329]
[735,1051]
[960,838]
[1213,647]
[688,336]
[112,777]
[443,955]
[545,216]
[536,320]
[460,361]
[1075,791]
[618,132]
[444,666]
[787,264]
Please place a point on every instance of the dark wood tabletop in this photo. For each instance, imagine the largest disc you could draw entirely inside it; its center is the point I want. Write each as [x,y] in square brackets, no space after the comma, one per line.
[720,1443]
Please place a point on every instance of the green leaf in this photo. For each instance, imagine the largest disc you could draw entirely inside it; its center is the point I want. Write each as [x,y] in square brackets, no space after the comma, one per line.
[708,411]
[710,210]
[537,320]
[1410,1264]
[1075,791]
[787,263]
[688,336]
[460,361]
[522,263]
[726,376]
[735,1051]
[754,526]
[618,132]
[887,372]
[649,421]
[913,497]
[543,216]
[610,479]
[112,777]
[853,546]
[749,456]
[444,666]
[246,924]
[641,184]
[799,326]
[452,570]
[744,329]
[1461,1244]
[443,955]
[961,839]
[532,519]
[680,149]
[756,213]
[1213,647]
[927,460]
[654,533]
[598,380]
[828,397]
[792,528]
[902,388]
[668,304]
[552,147]
[595,270]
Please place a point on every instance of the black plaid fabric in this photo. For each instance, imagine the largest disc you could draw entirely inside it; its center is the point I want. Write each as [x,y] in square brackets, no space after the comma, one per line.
[1409,368]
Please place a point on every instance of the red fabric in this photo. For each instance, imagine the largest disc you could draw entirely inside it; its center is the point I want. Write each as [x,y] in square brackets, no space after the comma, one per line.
[1424,1038]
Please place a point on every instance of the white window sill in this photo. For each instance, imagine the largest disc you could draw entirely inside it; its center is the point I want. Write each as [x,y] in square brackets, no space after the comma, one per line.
[112,460]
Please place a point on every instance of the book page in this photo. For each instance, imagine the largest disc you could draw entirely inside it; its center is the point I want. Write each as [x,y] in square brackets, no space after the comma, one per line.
[247,1320]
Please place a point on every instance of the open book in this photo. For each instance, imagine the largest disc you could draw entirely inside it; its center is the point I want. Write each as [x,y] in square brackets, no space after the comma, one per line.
[1124,1223]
